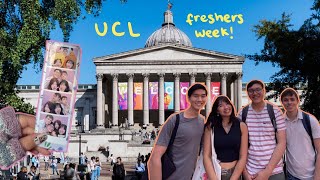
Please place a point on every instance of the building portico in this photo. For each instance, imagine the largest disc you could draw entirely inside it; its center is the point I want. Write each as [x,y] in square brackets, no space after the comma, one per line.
[162,63]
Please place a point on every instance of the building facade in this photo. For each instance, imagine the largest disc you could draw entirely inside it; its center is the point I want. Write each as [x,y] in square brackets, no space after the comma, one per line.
[168,56]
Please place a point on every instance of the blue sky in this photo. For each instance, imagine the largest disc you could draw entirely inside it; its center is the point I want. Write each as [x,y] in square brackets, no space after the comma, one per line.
[147,16]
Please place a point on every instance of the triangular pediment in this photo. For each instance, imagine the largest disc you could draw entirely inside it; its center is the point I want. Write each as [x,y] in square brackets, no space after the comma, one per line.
[167,53]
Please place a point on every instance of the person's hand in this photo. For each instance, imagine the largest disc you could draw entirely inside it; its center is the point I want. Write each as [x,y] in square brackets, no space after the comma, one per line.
[30,140]
[262,175]
[246,175]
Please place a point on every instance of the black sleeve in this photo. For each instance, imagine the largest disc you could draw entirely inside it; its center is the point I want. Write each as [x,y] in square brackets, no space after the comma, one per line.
[114,168]
[123,170]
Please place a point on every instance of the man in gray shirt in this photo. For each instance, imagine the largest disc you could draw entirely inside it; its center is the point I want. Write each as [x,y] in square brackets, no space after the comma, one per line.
[185,148]
[302,155]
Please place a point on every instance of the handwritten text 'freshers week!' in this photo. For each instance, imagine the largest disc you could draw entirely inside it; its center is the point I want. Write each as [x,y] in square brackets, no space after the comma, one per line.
[214,18]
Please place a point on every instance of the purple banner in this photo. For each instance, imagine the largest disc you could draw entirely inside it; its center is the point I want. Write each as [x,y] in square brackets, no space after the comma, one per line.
[122,95]
[153,95]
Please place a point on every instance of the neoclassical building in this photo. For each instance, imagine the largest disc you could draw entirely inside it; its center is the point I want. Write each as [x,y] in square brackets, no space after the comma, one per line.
[168,56]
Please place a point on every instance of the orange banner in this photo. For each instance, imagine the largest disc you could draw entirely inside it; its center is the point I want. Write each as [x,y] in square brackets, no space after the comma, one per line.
[137,96]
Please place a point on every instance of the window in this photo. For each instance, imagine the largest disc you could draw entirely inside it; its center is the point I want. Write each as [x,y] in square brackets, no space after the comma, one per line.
[79,115]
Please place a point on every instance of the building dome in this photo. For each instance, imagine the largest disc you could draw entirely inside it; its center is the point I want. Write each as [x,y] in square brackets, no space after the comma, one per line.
[168,34]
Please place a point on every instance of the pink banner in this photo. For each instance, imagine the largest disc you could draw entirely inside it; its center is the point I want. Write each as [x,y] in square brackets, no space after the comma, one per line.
[183,91]
[215,90]
[153,95]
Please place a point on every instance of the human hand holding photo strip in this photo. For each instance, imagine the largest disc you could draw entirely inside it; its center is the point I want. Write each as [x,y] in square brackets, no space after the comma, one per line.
[17,137]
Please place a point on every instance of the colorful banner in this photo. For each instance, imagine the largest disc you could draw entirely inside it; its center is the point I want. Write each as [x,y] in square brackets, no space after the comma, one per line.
[168,95]
[183,91]
[153,95]
[123,95]
[215,90]
[137,96]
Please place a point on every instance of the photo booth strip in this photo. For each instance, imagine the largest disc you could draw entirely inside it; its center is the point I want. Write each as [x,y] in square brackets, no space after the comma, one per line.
[55,101]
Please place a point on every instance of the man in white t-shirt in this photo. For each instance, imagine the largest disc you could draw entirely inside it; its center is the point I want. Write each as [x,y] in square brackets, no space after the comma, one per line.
[302,155]
[112,161]
[266,144]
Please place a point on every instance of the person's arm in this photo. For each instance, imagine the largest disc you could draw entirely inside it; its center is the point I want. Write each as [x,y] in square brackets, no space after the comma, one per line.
[317,169]
[276,156]
[143,167]
[160,147]
[123,169]
[154,163]
[114,168]
[10,148]
[315,128]
[245,173]
[207,154]
[243,152]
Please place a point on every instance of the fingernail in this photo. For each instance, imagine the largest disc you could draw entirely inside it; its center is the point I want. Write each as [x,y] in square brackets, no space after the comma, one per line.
[40,139]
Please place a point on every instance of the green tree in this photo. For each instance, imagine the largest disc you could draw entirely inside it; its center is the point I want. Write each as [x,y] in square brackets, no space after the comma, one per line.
[25,25]
[296,52]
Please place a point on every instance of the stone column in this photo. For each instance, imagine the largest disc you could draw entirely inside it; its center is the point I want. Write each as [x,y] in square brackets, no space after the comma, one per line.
[130,98]
[192,78]
[104,93]
[100,123]
[208,84]
[74,120]
[176,92]
[161,98]
[115,101]
[232,92]
[86,114]
[145,98]
[235,93]
[223,76]
[239,79]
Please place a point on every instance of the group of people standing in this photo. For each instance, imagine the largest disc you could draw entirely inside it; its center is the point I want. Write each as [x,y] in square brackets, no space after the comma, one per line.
[250,144]
[93,166]
[32,175]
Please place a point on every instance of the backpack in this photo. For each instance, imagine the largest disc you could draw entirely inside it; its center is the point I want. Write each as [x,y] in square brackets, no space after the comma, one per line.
[307,126]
